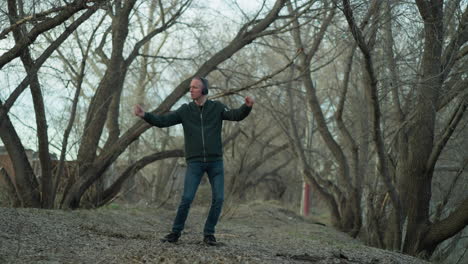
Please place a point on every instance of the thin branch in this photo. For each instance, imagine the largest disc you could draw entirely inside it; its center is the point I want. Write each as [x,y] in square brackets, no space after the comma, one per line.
[44,56]
[79,81]
[448,131]
[166,58]
[99,50]
[440,207]
[34,17]
[456,88]
[172,21]
[235,91]
[452,52]
[31,36]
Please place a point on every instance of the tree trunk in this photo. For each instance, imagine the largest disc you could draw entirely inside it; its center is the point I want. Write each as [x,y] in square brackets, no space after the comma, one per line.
[9,188]
[24,180]
[98,109]
[416,180]
[39,110]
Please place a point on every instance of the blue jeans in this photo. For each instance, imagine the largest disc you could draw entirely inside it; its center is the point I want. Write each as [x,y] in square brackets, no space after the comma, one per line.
[193,176]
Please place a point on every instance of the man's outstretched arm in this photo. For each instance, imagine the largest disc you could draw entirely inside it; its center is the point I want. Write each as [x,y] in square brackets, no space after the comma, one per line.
[239,113]
[165,120]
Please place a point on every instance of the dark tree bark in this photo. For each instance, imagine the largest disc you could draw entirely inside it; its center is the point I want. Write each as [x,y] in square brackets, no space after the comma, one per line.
[448,227]
[113,78]
[415,181]
[25,181]
[39,110]
[9,188]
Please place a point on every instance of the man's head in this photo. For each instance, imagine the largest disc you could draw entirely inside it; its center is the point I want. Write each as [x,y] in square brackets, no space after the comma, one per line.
[198,87]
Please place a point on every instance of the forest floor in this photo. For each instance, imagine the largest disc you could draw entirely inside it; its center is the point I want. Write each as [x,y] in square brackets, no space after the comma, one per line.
[253,233]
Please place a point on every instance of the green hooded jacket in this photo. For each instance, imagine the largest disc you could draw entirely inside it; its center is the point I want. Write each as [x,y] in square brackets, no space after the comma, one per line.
[202,127]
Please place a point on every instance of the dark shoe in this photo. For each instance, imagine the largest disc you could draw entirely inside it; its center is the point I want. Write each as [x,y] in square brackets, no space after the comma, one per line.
[210,240]
[171,237]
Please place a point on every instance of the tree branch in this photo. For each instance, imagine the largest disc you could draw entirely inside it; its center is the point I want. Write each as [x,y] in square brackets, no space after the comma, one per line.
[448,131]
[31,36]
[131,170]
[34,17]
[4,109]
[156,31]
[450,55]
[79,75]
[236,91]
[448,227]
[456,88]
[441,206]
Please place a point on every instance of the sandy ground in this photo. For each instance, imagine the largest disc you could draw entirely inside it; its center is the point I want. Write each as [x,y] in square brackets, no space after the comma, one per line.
[254,233]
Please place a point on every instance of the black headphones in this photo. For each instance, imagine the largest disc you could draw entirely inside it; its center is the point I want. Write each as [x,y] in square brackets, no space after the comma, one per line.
[205,85]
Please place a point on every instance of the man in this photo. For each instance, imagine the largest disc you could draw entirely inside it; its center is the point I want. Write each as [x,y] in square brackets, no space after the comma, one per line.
[202,122]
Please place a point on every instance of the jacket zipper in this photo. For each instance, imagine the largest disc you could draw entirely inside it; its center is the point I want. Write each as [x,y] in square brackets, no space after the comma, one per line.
[203,134]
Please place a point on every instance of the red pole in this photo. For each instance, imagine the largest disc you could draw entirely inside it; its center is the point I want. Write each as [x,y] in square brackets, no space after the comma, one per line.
[305,198]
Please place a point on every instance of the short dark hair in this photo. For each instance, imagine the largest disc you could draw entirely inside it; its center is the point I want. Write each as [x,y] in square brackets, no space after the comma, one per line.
[205,83]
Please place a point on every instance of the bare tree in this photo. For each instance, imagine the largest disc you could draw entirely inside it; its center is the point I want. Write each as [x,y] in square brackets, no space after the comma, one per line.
[103,107]
[419,148]
[92,168]
[25,180]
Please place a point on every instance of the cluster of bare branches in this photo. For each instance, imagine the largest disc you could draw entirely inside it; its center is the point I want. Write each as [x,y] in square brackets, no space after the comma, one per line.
[364,100]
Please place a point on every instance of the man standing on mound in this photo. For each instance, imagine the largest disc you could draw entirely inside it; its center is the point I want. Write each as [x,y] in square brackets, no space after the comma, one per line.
[202,121]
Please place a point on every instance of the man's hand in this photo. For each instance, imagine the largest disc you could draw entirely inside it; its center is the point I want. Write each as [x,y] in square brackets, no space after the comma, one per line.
[249,101]
[138,110]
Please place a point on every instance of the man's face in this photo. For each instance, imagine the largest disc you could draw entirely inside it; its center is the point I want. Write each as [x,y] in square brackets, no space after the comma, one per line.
[196,87]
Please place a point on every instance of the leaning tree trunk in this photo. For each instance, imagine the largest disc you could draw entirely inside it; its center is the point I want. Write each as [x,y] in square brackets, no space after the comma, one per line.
[24,180]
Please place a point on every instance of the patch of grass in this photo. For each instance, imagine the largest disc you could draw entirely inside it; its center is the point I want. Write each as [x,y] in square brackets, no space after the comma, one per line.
[112,206]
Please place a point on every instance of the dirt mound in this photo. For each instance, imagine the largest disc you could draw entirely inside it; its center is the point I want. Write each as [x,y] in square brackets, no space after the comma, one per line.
[254,233]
